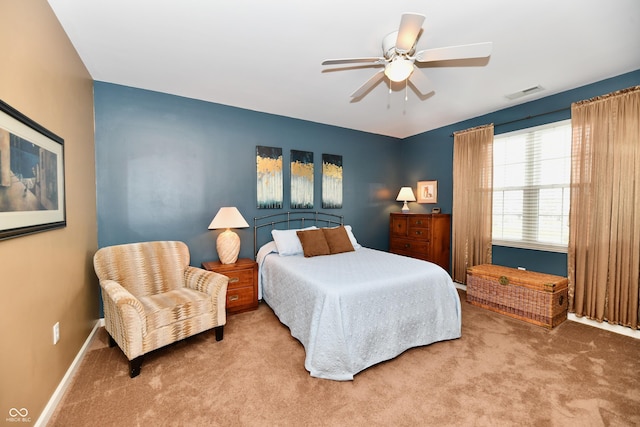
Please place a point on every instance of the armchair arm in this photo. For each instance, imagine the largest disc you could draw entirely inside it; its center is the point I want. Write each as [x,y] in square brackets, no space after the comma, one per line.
[124,317]
[202,280]
[212,283]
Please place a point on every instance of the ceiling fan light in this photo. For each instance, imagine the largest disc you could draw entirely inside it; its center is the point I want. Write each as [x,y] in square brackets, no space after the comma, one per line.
[399,69]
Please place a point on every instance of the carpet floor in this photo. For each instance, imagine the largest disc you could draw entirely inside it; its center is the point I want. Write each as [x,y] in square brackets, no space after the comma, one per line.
[501,371]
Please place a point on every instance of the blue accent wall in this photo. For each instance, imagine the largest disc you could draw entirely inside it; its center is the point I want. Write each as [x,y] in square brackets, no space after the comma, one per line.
[429,156]
[166,164]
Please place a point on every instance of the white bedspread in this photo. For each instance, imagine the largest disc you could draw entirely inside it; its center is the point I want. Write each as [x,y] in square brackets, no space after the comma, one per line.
[355,309]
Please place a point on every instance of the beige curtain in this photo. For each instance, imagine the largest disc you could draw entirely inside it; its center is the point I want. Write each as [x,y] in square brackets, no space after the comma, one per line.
[604,237]
[472,199]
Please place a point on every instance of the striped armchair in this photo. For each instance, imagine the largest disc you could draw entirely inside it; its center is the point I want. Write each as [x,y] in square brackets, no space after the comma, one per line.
[153,297]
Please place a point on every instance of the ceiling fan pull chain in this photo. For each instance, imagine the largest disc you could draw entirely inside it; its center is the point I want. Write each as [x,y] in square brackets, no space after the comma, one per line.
[406,87]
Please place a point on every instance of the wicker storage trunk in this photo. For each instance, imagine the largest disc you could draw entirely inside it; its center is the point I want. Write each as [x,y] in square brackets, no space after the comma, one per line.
[536,298]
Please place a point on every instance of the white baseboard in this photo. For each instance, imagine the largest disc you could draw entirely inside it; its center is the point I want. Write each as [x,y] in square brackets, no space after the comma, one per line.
[460,286]
[623,330]
[48,411]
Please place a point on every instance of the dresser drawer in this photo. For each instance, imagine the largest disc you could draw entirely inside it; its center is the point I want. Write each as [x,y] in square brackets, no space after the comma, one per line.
[409,247]
[399,226]
[419,222]
[419,233]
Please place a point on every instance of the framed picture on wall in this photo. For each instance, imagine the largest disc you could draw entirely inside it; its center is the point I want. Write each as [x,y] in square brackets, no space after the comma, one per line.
[32,187]
[427,192]
[331,181]
[301,179]
[269,185]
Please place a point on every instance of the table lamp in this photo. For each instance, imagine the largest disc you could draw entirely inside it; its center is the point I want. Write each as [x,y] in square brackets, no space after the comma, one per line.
[406,195]
[228,242]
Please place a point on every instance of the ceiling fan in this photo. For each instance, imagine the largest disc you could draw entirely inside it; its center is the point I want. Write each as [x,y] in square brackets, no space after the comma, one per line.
[399,56]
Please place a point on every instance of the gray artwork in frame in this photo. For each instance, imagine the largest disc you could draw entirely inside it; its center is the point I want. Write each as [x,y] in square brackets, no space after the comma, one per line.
[301,179]
[331,181]
[269,186]
[32,182]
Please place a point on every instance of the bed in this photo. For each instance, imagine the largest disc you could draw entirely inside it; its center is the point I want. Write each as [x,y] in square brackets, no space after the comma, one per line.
[352,309]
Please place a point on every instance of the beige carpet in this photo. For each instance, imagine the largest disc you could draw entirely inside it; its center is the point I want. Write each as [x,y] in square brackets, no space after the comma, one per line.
[501,372]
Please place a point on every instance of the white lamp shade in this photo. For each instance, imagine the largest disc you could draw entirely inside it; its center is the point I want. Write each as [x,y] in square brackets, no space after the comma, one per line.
[228,242]
[406,195]
[399,69]
[228,217]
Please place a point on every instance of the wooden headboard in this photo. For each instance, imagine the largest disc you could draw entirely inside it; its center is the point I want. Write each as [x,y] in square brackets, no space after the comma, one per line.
[263,225]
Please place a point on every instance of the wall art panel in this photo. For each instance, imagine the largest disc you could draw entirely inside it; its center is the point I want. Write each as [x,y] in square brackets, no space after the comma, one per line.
[301,179]
[269,177]
[331,181]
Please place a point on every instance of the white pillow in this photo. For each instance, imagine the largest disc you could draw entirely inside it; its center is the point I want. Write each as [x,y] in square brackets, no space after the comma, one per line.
[287,241]
[354,242]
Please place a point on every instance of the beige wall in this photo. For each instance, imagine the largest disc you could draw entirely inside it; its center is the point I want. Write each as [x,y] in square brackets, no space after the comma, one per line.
[47,277]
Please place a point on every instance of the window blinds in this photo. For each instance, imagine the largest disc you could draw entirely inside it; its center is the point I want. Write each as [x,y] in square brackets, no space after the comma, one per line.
[531,182]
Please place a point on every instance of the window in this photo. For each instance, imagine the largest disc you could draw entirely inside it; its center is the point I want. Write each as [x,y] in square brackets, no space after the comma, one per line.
[531,177]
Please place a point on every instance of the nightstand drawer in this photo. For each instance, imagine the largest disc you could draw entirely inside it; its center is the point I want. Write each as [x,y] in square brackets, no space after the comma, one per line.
[239,297]
[239,278]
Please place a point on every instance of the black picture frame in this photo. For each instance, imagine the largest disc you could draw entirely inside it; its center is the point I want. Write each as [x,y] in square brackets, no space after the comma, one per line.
[32,181]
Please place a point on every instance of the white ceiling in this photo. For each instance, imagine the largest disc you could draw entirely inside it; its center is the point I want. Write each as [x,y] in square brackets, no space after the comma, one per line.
[266,55]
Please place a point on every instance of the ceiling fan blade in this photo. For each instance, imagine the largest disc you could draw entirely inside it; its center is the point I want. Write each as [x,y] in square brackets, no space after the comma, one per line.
[420,81]
[410,26]
[353,61]
[368,84]
[476,50]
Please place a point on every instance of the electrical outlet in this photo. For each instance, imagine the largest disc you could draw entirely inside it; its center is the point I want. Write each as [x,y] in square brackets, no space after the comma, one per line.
[521,268]
[56,333]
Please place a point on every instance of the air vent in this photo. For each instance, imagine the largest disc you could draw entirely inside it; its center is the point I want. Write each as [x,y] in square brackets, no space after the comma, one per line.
[525,92]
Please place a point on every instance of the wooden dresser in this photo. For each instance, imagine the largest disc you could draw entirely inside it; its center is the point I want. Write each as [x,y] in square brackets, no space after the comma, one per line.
[423,236]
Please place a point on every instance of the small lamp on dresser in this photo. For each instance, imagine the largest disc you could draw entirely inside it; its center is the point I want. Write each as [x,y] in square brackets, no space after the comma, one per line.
[406,195]
[228,242]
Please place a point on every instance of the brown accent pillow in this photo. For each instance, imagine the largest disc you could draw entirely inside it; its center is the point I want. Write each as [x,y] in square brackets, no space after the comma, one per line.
[337,239]
[313,242]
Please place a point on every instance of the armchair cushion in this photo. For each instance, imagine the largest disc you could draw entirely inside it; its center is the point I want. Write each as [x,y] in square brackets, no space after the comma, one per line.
[174,306]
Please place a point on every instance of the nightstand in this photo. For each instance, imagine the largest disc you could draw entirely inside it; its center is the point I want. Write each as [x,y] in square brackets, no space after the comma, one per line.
[242,291]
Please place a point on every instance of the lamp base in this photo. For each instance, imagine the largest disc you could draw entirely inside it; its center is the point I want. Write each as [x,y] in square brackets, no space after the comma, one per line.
[228,246]
[405,208]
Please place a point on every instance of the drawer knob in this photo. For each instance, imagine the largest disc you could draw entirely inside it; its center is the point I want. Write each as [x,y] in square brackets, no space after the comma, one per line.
[419,222]
[407,245]
[504,280]
[233,297]
[419,233]
[234,279]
